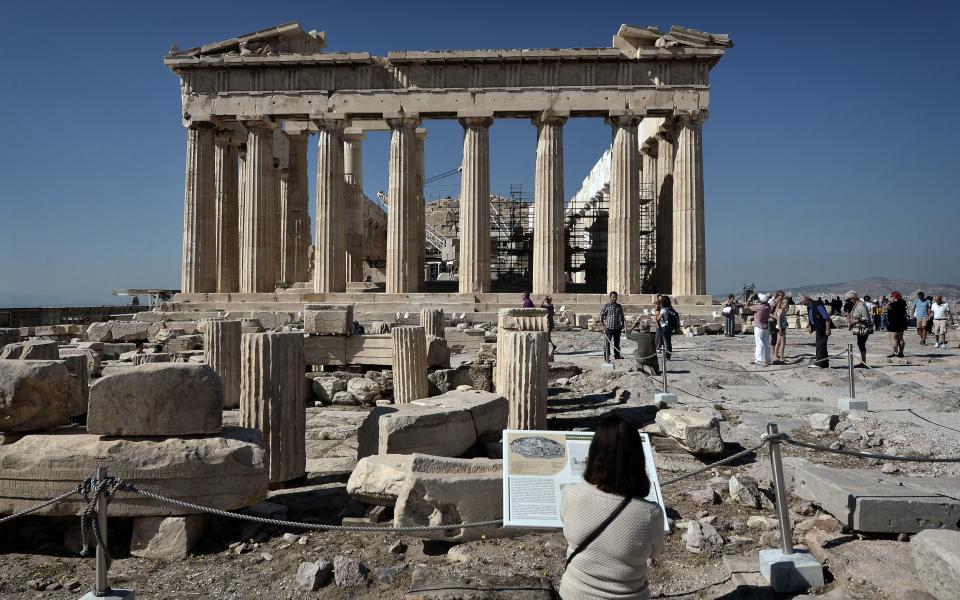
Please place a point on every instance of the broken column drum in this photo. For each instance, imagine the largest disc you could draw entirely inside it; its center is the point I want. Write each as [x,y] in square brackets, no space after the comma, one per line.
[431,319]
[409,364]
[221,349]
[272,399]
[522,370]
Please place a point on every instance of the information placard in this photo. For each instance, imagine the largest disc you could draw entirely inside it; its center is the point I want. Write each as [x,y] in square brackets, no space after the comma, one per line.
[538,464]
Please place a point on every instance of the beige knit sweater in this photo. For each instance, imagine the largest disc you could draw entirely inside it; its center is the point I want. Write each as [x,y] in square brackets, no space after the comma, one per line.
[614,566]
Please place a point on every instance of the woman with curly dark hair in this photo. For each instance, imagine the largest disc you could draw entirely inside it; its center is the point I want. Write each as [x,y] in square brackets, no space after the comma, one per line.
[611,529]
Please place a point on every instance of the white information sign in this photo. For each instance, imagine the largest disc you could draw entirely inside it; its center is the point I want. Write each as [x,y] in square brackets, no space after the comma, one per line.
[538,464]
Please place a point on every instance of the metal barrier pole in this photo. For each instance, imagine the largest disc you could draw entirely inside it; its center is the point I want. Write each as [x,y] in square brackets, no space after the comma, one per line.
[783,511]
[663,356]
[853,391]
[102,587]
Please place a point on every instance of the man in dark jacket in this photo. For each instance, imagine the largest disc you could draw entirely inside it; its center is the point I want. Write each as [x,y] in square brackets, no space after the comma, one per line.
[611,315]
[819,324]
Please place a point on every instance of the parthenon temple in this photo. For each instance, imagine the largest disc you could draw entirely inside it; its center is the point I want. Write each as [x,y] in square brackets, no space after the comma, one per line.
[252,103]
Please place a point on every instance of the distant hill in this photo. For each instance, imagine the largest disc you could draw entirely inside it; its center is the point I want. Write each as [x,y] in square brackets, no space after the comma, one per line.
[876,287]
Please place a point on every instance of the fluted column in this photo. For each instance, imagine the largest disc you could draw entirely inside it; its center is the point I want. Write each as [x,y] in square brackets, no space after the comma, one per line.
[689,253]
[409,363]
[329,270]
[295,224]
[402,210]
[548,240]
[221,349]
[648,226]
[259,228]
[664,208]
[431,319]
[623,241]
[420,247]
[199,272]
[227,214]
[272,399]
[522,372]
[475,206]
[353,179]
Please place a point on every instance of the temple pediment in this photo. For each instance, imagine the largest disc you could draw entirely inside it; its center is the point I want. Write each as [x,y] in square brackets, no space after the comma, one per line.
[631,38]
[288,38]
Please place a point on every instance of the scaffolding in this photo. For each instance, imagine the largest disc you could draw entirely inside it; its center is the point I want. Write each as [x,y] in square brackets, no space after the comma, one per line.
[511,232]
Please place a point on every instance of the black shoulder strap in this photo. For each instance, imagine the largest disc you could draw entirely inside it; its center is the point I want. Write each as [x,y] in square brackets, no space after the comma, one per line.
[600,528]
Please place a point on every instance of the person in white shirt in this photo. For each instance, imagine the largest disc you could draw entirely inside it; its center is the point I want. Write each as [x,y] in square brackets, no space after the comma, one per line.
[941,313]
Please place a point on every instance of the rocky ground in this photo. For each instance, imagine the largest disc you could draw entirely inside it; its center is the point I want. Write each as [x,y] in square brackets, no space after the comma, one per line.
[710,554]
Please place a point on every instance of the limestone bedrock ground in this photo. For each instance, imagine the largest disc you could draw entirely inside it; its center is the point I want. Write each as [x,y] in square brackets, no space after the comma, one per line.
[711,374]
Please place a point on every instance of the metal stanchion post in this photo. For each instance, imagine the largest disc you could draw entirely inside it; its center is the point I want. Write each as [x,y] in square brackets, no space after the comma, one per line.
[783,511]
[663,355]
[102,587]
[853,391]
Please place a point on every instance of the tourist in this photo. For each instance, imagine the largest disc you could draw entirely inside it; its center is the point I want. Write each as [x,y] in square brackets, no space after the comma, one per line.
[668,321]
[611,315]
[876,311]
[761,330]
[729,312]
[780,313]
[896,323]
[773,323]
[818,320]
[611,530]
[861,324]
[921,312]
[941,312]
[884,303]
[547,303]
[527,302]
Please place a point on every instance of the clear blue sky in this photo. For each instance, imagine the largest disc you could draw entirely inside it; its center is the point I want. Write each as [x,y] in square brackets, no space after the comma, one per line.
[831,152]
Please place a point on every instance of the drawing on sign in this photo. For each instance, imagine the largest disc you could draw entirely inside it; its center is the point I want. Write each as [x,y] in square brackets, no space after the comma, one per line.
[537,447]
[578,458]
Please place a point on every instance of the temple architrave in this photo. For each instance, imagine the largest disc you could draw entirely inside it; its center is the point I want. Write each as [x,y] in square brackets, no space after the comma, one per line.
[252,104]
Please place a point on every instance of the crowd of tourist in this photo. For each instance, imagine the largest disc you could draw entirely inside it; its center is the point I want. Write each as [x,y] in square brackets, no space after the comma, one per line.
[863,316]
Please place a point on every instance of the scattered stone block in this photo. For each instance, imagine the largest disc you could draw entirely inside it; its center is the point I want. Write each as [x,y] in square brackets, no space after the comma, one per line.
[664,400]
[440,491]
[790,572]
[823,422]
[166,538]
[78,367]
[936,557]
[31,350]
[489,410]
[378,479]
[311,576]
[35,395]
[157,399]
[409,428]
[154,357]
[8,335]
[328,319]
[432,584]
[702,537]
[225,471]
[344,399]
[438,353]
[348,572]
[114,350]
[477,375]
[698,433]
[745,491]
[363,389]
[324,388]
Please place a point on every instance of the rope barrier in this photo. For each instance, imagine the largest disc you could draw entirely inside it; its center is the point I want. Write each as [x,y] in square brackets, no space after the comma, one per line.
[719,463]
[894,383]
[40,506]
[868,455]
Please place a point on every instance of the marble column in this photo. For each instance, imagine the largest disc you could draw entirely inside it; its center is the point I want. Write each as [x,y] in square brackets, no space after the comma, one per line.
[227,214]
[259,228]
[199,273]
[664,209]
[329,267]
[409,363]
[353,179]
[522,379]
[221,350]
[689,253]
[475,206]
[295,224]
[272,399]
[420,212]
[548,239]
[623,240]
[431,319]
[648,180]
[402,197]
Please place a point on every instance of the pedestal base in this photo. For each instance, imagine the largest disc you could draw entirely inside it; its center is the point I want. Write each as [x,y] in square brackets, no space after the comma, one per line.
[790,572]
[111,595]
[849,404]
[664,399]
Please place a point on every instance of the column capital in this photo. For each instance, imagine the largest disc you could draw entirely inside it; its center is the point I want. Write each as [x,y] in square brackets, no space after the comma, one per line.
[622,118]
[476,121]
[421,133]
[665,133]
[693,116]
[353,134]
[402,120]
[201,125]
[329,123]
[550,117]
[258,121]
[296,128]
[650,147]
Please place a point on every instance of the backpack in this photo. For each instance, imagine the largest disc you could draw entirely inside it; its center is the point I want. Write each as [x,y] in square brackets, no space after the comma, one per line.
[673,319]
